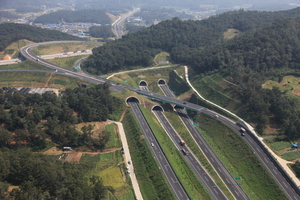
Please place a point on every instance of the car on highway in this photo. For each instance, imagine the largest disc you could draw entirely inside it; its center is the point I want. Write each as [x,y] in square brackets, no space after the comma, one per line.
[152,144]
[129,162]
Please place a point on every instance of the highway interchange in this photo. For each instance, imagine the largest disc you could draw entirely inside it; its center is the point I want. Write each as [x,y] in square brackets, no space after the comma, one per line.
[285,183]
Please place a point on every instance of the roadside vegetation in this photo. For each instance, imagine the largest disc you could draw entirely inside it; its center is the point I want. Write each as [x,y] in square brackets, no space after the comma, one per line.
[184,173]
[184,134]
[114,138]
[25,65]
[151,180]
[68,62]
[37,79]
[46,49]
[239,159]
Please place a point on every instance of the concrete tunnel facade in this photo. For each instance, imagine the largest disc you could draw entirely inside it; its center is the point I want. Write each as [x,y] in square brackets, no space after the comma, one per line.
[143,83]
[161,82]
[132,99]
[157,107]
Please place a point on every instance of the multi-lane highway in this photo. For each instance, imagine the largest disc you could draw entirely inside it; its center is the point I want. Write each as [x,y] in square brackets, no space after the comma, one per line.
[266,159]
[165,166]
[118,23]
[209,184]
[288,186]
[223,173]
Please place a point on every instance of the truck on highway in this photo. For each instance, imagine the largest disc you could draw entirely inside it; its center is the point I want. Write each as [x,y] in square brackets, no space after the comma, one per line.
[182,143]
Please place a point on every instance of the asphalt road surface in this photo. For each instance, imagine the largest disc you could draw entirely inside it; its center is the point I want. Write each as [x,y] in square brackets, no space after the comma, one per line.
[223,173]
[212,188]
[165,166]
[290,189]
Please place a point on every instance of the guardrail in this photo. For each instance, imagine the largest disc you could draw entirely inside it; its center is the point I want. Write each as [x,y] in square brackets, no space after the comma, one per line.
[274,161]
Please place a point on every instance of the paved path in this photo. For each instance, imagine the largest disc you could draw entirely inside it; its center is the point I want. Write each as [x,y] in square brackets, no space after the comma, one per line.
[127,158]
[136,70]
[281,161]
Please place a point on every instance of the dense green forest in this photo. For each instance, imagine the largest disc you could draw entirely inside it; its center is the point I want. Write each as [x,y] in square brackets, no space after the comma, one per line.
[35,118]
[267,48]
[43,177]
[148,14]
[8,15]
[30,121]
[69,16]
[101,31]
[176,37]
[256,56]
[11,32]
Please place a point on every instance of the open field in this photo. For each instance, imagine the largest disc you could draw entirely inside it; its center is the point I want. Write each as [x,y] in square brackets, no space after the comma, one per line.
[114,139]
[219,90]
[24,65]
[289,84]
[13,49]
[61,47]
[291,155]
[36,79]
[239,160]
[187,178]
[162,57]
[67,62]
[230,33]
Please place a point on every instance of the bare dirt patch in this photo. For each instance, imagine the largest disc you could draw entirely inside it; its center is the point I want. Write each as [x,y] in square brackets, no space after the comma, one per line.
[142,137]
[296,92]
[46,84]
[53,151]
[123,114]
[98,127]
[10,188]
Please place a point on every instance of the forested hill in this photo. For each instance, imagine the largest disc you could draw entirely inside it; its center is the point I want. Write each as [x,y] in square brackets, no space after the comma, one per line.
[85,16]
[272,47]
[177,37]
[266,53]
[10,32]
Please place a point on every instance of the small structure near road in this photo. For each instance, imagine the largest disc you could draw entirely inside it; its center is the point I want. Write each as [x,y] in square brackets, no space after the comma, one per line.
[67,149]
[294,146]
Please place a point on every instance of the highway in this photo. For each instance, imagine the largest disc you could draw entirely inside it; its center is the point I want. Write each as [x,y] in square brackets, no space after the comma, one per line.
[118,23]
[259,150]
[218,166]
[288,186]
[165,166]
[201,173]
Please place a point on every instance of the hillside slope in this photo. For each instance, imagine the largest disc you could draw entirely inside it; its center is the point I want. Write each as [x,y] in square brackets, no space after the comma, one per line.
[11,32]
[180,38]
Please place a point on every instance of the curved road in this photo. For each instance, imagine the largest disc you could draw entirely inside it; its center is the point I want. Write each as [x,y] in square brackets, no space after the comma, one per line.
[290,189]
